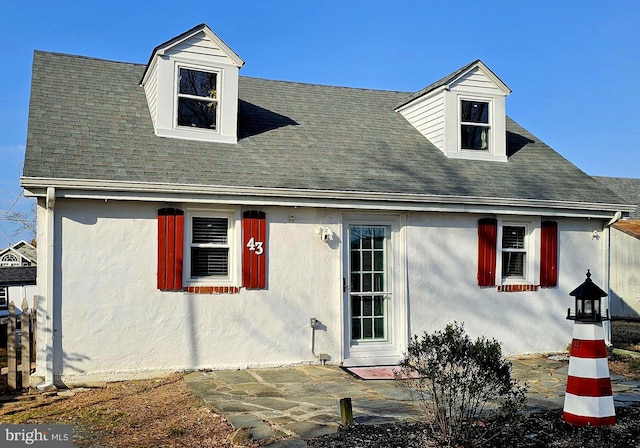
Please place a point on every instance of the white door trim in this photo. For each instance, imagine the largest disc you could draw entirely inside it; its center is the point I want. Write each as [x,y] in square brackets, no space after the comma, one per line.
[389,351]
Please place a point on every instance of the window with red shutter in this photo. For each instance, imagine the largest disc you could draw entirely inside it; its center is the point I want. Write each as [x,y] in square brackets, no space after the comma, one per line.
[170,248]
[203,245]
[487,239]
[549,254]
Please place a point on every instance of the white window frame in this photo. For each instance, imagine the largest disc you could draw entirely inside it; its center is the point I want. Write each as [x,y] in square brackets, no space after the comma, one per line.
[234,243]
[489,125]
[531,236]
[177,95]
[386,293]
[4,297]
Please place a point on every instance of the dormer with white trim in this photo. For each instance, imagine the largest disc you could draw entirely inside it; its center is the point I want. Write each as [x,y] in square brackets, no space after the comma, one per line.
[463,114]
[191,84]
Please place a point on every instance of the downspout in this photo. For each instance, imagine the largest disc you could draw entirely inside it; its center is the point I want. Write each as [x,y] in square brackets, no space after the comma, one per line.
[49,307]
[607,270]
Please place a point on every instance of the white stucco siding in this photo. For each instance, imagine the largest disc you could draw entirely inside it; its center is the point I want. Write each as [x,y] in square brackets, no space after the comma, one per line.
[110,319]
[114,319]
[443,285]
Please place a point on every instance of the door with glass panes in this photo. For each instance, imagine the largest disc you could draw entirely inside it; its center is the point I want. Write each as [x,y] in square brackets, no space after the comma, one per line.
[369,291]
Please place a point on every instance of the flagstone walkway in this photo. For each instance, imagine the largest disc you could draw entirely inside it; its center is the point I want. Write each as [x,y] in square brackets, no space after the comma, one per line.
[302,402]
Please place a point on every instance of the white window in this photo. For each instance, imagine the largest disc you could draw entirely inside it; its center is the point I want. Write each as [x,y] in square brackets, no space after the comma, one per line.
[4,297]
[516,251]
[9,260]
[197,99]
[211,247]
[475,125]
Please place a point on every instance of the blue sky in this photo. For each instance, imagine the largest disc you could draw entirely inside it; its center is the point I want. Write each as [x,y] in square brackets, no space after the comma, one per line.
[572,65]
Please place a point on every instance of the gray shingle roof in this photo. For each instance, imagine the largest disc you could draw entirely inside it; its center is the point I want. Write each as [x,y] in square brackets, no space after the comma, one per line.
[89,120]
[626,188]
[19,275]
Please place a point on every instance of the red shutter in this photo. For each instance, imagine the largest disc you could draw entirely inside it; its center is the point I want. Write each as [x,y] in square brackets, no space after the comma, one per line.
[170,248]
[254,253]
[549,254]
[487,239]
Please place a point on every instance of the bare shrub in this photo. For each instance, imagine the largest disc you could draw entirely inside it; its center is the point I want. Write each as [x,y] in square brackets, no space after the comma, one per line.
[464,387]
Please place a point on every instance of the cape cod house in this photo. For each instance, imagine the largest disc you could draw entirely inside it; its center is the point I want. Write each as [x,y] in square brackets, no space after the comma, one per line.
[189,217]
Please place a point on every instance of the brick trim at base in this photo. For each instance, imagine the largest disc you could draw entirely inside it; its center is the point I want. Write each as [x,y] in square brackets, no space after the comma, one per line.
[517,288]
[212,289]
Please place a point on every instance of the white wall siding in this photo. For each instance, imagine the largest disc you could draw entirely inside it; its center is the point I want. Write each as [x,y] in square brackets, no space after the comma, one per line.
[427,116]
[625,274]
[442,250]
[199,47]
[18,293]
[112,321]
[477,82]
[151,90]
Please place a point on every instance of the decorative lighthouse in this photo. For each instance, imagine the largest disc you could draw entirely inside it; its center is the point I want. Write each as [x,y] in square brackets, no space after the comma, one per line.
[589,398]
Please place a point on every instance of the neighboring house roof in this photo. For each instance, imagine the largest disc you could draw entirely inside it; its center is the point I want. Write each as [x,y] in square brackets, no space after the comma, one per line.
[629,190]
[89,125]
[626,188]
[629,226]
[19,275]
[22,250]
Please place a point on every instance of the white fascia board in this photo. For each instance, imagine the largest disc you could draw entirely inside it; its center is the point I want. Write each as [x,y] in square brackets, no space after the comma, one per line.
[227,49]
[211,35]
[142,191]
[152,63]
[487,72]
[428,94]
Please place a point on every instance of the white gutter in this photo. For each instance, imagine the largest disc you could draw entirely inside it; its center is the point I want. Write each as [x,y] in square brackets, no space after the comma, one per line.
[49,331]
[164,192]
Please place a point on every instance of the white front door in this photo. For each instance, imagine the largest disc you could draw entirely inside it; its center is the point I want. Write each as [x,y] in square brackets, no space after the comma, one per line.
[375,320]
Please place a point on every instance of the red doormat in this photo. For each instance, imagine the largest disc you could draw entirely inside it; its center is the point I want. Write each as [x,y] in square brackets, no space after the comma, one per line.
[373,373]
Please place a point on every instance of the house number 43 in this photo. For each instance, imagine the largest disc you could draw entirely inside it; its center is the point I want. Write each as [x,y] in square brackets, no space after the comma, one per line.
[255,246]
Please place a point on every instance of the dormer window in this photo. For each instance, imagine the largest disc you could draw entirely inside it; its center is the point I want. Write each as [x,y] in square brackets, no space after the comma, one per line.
[197,98]
[474,125]
[463,114]
[191,85]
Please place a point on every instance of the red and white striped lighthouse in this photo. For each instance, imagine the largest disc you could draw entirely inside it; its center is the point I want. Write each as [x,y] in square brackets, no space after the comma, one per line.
[589,398]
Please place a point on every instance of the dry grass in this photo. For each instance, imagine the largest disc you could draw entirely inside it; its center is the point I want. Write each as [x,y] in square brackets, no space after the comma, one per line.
[135,414]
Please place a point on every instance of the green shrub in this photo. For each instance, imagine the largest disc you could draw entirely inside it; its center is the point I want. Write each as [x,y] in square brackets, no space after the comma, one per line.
[464,386]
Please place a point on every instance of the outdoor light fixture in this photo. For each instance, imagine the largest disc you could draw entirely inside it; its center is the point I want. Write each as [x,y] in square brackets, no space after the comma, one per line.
[588,296]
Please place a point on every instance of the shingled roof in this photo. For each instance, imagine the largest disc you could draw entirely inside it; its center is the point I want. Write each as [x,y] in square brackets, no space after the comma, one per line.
[89,120]
[626,188]
[18,275]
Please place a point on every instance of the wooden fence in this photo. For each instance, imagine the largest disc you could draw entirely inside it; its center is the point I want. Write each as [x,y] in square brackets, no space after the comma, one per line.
[21,344]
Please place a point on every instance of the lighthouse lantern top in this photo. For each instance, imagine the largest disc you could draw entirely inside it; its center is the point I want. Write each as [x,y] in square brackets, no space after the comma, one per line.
[588,296]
